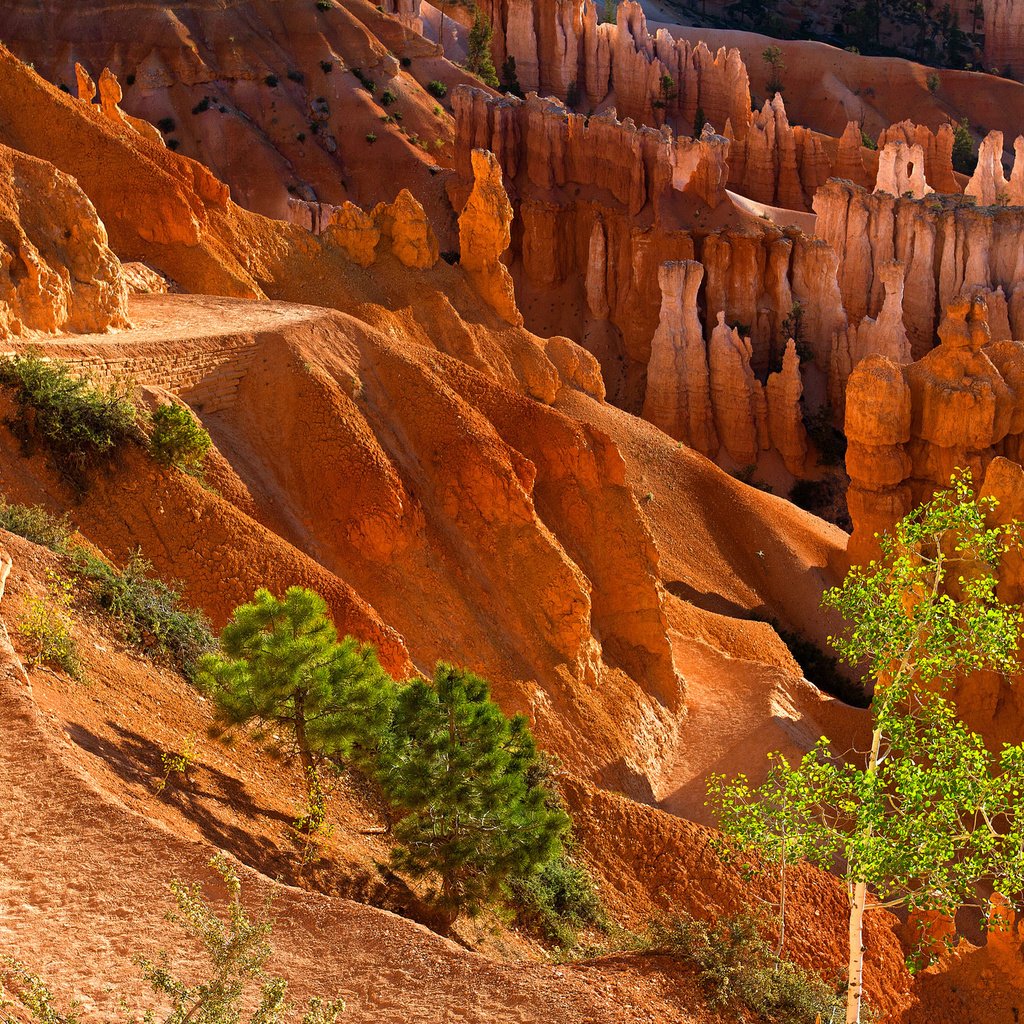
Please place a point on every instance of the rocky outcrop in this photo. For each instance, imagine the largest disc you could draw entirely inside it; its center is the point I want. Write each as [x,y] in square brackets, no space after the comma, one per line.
[603,204]
[678,397]
[937,148]
[988,184]
[901,170]
[484,235]
[57,272]
[737,397]
[1004,35]
[947,245]
[786,429]
[776,163]
[404,222]
[910,427]
[110,94]
[884,335]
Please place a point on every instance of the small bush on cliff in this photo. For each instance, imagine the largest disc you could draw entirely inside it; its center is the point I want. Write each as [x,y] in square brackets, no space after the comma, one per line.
[178,439]
[557,900]
[37,525]
[149,610]
[46,627]
[467,777]
[740,970]
[437,89]
[235,952]
[282,670]
[81,423]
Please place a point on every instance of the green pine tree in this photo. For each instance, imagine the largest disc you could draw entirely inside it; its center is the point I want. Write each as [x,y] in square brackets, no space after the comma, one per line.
[468,777]
[479,60]
[965,160]
[283,670]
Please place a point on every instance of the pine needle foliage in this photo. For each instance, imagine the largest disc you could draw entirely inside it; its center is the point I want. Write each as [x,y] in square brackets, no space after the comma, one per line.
[479,60]
[282,670]
[465,775]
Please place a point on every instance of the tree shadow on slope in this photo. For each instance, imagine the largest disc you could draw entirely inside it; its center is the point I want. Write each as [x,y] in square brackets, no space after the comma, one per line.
[214,802]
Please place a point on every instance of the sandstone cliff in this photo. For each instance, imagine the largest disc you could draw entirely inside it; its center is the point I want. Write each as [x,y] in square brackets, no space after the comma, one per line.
[57,271]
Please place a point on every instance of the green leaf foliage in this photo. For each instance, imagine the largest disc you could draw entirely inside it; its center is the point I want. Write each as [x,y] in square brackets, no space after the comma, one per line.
[178,439]
[466,776]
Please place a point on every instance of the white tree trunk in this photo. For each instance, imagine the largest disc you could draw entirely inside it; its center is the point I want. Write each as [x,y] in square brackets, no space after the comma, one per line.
[855,975]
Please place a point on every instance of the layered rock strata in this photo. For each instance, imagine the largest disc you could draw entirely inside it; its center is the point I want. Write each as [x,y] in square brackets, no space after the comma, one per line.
[910,427]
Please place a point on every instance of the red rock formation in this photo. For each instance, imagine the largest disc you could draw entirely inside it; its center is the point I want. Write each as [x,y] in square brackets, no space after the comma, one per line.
[678,397]
[786,428]
[405,223]
[57,271]
[910,427]
[988,184]
[603,204]
[484,236]
[947,245]
[937,148]
[737,397]
[901,170]
[1004,35]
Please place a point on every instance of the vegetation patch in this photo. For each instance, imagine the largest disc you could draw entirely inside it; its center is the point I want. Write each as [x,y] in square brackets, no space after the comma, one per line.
[149,610]
[557,901]
[738,970]
[81,423]
[178,439]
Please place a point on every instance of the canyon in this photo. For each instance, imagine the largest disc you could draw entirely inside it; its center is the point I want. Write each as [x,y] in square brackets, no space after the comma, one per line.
[495,374]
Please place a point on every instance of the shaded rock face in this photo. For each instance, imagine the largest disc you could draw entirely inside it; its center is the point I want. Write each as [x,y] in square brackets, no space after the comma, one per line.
[56,270]
[484,235]
[910,427]
[947,246]
[600,205]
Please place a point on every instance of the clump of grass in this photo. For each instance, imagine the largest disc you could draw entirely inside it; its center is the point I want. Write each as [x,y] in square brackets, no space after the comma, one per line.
[178,439]
[37,525]
[81,423]
[738,970]
[149,610]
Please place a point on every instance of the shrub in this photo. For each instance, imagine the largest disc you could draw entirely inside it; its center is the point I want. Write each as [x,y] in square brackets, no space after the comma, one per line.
[47,628]
[699,120]
[933,83]
[173,145]
[406,62]
[467,778]
[387,97]
[327,66]
[964,158]
[166,124]
[437,89]
[301,137]
[738,969]
[866,141]
[557,900]
[202,106]
[149,610]
[324,5]
[371,138]
[272,81]
[479,60]
[178,439]
[130,80]
[295,76]
[81,423]
[34,523]
[437,111]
